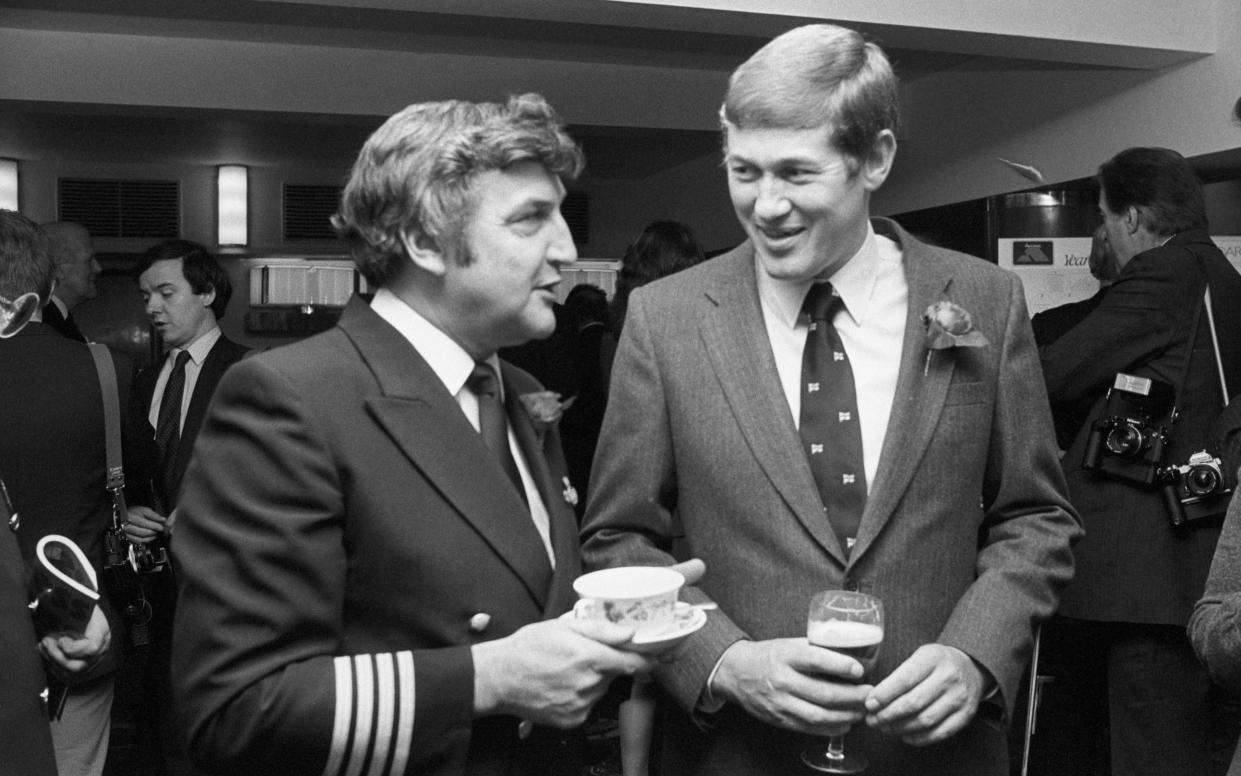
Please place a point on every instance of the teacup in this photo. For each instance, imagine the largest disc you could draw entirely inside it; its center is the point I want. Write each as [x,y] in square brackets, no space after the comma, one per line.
[643,597]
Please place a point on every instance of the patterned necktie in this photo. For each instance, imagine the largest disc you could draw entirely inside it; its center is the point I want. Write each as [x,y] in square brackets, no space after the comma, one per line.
[168,423]
[830,431]
[492,421]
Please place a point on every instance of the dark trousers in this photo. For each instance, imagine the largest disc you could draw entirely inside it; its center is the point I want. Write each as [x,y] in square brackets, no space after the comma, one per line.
[1129,700]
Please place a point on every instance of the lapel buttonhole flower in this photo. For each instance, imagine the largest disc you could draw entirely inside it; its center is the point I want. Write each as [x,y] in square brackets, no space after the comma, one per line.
[545,409]
[948,325]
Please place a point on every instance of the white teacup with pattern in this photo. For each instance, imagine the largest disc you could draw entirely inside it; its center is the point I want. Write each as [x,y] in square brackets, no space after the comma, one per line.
[643,597]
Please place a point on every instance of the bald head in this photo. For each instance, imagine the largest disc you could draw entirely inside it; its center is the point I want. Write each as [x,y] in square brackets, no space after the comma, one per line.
[73,252]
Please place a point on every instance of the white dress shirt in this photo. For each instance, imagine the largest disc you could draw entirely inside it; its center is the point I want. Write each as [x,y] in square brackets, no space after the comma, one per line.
[872,327]
[199,349]
[453,365]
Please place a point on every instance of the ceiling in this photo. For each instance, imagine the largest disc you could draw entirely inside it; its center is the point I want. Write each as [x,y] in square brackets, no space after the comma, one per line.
[666,40]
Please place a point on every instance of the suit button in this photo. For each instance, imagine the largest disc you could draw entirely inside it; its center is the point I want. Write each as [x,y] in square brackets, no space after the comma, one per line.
[851,585]
[524,728]
[479,622]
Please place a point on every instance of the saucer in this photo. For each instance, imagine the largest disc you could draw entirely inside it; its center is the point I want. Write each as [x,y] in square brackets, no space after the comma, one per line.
[687,620]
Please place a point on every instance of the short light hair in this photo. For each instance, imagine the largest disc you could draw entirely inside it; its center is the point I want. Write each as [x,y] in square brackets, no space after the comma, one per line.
[819,75]
[25,264]
[1158,182]
[416,174]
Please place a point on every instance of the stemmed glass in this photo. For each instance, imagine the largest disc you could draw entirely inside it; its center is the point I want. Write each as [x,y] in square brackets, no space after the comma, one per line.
[851,624]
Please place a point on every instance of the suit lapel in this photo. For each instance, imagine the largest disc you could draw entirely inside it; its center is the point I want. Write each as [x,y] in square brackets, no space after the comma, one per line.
[736,343]
[921,389]
[221,356]
[562,520]
[427,424]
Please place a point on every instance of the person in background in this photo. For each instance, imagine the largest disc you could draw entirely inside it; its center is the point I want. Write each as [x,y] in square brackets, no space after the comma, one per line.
[1215,626]
[910,460]
[1122,658]
[185,291]
[1050,324]
[376,540]
[663,247]
[593,349]
[52,460]
[73,251]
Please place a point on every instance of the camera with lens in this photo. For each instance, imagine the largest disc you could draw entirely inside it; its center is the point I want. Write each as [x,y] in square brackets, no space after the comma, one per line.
[1128,439]
[1196,489]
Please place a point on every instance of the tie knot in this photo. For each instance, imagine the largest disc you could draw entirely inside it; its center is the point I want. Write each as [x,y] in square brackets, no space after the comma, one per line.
[822,302]
[483,380]
[179,361]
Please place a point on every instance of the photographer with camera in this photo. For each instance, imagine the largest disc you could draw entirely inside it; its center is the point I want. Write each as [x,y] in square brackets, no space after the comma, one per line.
[1150,492]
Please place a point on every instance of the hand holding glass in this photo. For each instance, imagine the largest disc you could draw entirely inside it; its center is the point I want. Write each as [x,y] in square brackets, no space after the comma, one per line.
[851,624]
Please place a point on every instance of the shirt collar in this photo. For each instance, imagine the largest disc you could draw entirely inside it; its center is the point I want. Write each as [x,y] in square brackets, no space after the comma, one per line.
[450,362]
[200,348]
[854,281]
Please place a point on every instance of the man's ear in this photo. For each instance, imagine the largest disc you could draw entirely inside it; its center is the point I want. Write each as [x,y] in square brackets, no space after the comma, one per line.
[208,296]
[424,251]
[1133,219]
[875,168]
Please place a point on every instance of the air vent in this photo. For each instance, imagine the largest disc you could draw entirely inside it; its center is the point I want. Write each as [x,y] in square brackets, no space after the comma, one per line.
[121,208]
[576,211]
[308,211]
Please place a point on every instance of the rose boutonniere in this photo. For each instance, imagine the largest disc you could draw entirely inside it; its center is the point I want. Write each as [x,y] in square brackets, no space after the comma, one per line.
[545,409]
[949,325]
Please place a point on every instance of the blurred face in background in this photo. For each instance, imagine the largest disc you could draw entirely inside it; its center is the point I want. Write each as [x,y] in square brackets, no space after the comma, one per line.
[76,267]
[177,313]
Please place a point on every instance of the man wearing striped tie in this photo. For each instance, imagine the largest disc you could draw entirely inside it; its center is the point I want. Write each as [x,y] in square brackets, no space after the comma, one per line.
[377,536]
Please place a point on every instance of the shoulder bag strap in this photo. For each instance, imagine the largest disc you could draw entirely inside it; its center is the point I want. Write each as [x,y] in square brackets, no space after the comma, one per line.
[112,425]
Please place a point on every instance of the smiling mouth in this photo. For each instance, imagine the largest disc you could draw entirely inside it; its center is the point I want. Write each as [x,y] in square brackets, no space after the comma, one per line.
[775,234]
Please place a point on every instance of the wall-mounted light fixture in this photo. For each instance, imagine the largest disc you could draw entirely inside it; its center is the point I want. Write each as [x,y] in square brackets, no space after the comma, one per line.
[232,185]
[8,184]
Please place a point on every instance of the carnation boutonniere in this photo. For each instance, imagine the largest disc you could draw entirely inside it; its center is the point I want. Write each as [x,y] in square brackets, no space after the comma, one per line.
[570,492]
[545,409]
[949,325]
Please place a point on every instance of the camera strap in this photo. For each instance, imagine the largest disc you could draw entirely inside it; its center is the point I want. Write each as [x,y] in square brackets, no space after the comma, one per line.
[1219,362]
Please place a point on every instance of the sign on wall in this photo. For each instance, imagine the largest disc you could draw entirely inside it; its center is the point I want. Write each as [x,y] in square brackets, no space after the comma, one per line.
[1054,270]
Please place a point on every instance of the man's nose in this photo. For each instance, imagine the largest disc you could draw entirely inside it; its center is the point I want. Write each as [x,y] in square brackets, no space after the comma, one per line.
[771,202]
[561,250]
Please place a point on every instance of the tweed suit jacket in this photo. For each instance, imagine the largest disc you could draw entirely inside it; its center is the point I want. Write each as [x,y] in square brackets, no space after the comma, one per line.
[346,537]
[144,477]
[1133,566]
[966,532]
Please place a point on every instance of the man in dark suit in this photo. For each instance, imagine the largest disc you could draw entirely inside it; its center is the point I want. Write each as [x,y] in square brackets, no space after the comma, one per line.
[52,454]
[76,269]
[964,532]
[185,291]
[373,565]
[1138,575]
[1050,324]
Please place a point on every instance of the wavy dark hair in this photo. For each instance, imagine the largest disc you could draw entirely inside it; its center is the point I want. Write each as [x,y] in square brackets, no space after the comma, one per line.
[664,247]
[416,174]
[1160,184]
[199,266]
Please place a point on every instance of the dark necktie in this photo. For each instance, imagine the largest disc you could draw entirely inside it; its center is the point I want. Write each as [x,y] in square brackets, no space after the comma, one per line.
[168,423]
[830,431]
[492,421]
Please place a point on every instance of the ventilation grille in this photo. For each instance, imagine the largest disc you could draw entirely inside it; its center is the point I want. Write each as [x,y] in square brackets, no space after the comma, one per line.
[121,208]
[308,210]
[576,212]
